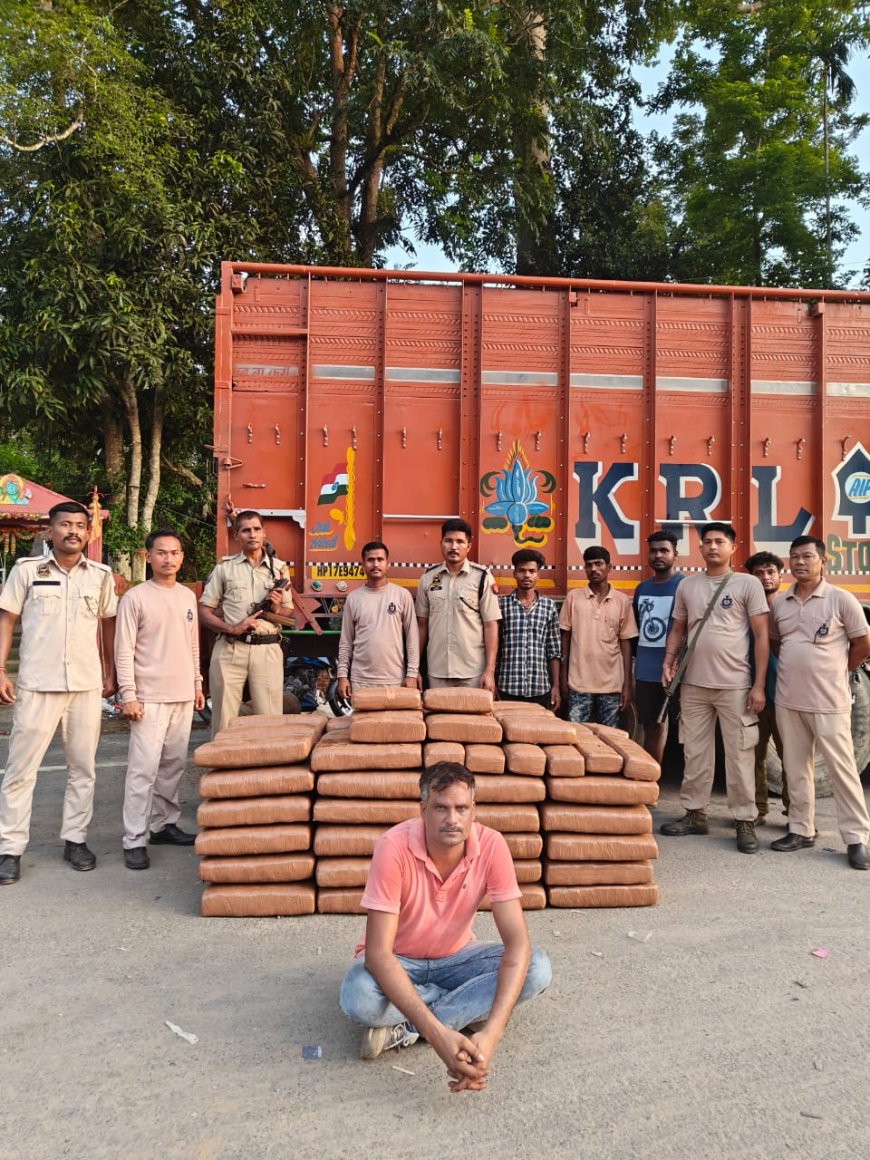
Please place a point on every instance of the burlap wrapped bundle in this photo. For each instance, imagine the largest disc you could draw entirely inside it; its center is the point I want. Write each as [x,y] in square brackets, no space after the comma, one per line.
[528,870]
[597,896]
[603,791]
[347,841]
[255,811]
[500,788]
[523,846]
[353,811]
[461,700]
[564,761]
[257,868]
[521,819]
[586,819]
[341,900]
[242,783]
[522,758]
[637,763]
[385,697]
[260,901]
[598,756]
[304,723]
[534,898]
[341,872]
[539,730]
[233,748]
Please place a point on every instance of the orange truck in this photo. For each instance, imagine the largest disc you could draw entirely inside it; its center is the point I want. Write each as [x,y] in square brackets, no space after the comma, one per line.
[359,404]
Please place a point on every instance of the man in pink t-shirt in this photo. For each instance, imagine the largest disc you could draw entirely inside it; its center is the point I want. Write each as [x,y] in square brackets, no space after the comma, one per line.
[419,971]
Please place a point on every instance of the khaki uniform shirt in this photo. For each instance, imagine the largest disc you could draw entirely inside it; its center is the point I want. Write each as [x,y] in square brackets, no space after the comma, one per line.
[597,628]
[721,658]
[236,586]
[60,613]
[814,636]
[457,612]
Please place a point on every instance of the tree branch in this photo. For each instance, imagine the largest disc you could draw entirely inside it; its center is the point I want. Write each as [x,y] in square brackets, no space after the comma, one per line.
[184,472]
[51,139]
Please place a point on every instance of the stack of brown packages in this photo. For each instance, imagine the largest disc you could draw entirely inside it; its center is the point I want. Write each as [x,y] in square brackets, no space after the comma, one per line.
[255,843]
[599,841]
[464,725]
[368,768]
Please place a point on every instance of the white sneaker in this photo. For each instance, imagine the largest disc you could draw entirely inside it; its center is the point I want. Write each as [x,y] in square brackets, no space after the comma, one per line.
[377,1040]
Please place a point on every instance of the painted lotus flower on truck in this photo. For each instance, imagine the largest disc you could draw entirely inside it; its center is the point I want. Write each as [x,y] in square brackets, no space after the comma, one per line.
[516,507]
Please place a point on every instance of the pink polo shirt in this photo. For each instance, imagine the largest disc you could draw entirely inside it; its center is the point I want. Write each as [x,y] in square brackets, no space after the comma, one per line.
[434,916]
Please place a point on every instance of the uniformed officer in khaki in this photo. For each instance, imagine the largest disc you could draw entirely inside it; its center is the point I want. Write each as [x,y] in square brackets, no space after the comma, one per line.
[820,633]
[67,607]
[248,648]
[458,615]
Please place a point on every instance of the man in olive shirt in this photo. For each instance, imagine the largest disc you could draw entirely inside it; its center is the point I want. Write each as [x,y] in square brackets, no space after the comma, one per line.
[458,615]
[379,642]
[67,606]
[718,685]
[248,648]
[821,634]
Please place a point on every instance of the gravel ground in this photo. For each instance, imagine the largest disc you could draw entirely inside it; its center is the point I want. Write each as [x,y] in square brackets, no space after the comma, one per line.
[713,1030]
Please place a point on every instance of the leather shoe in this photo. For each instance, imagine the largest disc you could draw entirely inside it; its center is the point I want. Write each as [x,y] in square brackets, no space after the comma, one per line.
[136,858]
[859,856]
[79,856]
[10,869]
[172,835]
[791,842]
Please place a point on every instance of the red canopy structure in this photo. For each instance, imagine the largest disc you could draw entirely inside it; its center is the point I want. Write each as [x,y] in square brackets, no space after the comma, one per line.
[24,508]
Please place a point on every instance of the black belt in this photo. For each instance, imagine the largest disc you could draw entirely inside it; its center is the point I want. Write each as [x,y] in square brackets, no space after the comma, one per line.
[257,638]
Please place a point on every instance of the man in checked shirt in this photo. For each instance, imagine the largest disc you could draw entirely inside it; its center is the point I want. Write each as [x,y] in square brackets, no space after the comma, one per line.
[529,650]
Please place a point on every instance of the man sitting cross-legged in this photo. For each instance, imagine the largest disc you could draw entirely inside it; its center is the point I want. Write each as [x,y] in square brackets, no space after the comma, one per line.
[419,971]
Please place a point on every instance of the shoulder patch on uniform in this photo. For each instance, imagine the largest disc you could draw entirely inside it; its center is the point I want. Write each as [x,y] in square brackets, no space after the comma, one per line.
[97,564]
[224,559]
[433,566]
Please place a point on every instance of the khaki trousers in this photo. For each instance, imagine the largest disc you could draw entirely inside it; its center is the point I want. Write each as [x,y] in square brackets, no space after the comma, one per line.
[830,734]
[156,759]
[35,719]
[233,663]
[699,710]
[767,729]
[454,682]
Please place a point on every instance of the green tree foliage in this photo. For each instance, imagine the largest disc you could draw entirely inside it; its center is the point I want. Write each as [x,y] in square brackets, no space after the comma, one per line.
[752,175]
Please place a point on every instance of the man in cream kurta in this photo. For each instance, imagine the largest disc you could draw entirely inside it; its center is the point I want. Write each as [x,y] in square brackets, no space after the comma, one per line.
[159,682]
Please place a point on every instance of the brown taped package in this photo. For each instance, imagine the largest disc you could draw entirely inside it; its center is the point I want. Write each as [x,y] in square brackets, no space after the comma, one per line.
[585,819]
[605,732]
[462,700]
[601,847]
[539,730]
[347,811]
[598,873]
[521,757]
[313,723]
[390,784]
[524,846]
[385,697]
[466,727]
[343,756]
[255,811]
[598,757]
[523,708]
[333,872]
[232,749]
[528,870]
[564,761]
[435,751]
[387,727]
[253,840]
[257,868]
[603,791]
[346,841]
[638,765]
[484,758]
[590,896]
[240,783]
[344,900]
[521,819]
[286,898]
[338,726]
[493,787]
[534,898]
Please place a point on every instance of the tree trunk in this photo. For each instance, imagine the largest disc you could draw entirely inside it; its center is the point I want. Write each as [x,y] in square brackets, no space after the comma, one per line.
[113,448]
[534,203]
[154,464]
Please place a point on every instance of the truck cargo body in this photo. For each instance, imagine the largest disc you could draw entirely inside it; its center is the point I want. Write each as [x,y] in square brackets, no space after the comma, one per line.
[362,404]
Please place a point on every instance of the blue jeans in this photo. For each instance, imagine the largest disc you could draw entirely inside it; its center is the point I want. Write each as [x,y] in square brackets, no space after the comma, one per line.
[458,989]
[600,707]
